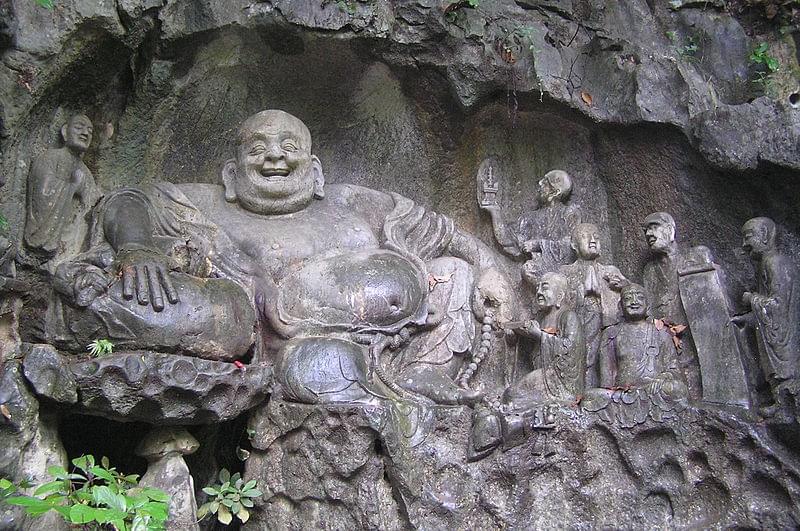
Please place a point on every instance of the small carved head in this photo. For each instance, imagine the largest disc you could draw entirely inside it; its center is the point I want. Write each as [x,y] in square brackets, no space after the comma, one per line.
[758,236]
[77,133]
[585,241]
[551,290]
[274,171]
[659,231]
[556,185]
[633,299]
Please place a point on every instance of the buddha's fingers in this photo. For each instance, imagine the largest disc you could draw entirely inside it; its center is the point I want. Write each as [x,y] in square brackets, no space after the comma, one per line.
[155,287]
[166,284]
[142,293]
[128,277]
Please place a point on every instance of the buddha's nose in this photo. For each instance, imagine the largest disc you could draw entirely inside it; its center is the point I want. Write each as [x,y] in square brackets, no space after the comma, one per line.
[273,154]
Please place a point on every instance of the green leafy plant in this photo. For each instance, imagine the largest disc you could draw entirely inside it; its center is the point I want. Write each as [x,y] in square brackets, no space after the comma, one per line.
[100,347]
[47,4]
[94,497]
[3,222]
[689,49]
[453,8]
[231,497]
[767,64]
[348,6]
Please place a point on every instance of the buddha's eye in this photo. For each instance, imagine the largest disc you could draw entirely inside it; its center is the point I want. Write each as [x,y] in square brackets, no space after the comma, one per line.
[257,150]
[288,145]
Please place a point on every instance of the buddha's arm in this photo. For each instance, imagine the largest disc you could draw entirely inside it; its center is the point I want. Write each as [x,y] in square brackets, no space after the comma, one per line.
[128,228]
[492,288]
[504,236]
[608,362]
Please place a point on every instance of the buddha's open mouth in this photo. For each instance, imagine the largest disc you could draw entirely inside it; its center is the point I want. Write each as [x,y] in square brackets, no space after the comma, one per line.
[272,173]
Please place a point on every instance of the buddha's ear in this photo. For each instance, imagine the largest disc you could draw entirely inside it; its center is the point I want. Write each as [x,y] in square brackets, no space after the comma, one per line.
[319,177]
[671,232]
[229,180]
[64,132]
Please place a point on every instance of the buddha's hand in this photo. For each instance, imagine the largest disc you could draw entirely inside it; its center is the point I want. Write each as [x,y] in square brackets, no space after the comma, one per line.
[493,295]
[532,328]
[662,383]
[77,177]
[145,274]
[532,246]
[88,285]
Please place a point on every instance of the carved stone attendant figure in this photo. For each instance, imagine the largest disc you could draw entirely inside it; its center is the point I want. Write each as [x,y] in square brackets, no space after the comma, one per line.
[594,291]
[661,282]
[325,269]
[544,232]
[61,191]
[639,370]
[560,348]
[775,307]
[636,353]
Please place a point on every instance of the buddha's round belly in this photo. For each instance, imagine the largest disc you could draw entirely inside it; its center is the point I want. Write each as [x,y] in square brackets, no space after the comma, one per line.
[362,290]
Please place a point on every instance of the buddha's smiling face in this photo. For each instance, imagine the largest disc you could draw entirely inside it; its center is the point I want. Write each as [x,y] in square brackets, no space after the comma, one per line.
[275,172]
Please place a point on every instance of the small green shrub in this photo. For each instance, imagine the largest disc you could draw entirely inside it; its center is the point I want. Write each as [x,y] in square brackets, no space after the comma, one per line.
[47,4]
[766,63]
[232,496]
[690,49]
[100,347]
[95,498]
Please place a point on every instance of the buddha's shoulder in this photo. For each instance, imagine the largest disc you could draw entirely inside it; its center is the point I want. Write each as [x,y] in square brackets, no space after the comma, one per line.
[357,197]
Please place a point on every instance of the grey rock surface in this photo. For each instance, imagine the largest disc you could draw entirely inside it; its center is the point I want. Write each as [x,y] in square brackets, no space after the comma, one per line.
[166,389]
[48,373]
[648,105]
[29,444]
[164,449]
[705,469]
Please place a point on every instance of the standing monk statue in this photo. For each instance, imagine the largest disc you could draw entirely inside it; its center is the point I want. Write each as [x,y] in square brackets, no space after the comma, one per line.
[61,191]
[775,306]
[662,284]
[594,291]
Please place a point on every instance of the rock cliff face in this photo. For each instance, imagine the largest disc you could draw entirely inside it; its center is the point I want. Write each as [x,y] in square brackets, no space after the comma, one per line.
[340,469]
[649,105]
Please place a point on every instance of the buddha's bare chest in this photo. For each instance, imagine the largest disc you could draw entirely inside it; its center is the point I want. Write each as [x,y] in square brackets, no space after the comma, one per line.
[277,242]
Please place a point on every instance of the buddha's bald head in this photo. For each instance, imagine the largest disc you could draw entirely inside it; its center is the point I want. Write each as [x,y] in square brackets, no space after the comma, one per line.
[273,121]
[274,171]
[759,235]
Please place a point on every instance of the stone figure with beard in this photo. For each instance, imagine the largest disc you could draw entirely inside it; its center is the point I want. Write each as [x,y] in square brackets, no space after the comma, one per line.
[278,266]
[661,281]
